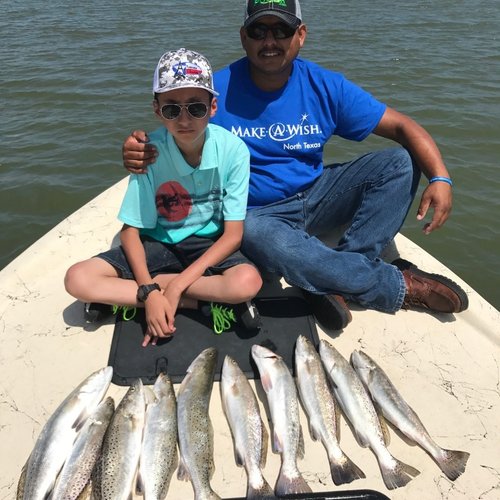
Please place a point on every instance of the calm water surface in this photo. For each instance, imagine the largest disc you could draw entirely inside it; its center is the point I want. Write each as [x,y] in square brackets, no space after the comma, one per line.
[76,79]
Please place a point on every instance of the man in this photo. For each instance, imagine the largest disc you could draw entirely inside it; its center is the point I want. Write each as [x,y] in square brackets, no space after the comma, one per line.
[286,109]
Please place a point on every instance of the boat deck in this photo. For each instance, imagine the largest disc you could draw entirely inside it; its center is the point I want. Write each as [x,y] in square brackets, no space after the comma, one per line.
[446,366]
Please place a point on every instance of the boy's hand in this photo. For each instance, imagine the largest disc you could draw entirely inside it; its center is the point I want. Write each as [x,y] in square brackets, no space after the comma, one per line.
[159,318]
[137,153]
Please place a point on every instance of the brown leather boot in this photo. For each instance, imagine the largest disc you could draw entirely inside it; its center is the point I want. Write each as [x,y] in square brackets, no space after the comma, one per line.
[430,291]
[330,310]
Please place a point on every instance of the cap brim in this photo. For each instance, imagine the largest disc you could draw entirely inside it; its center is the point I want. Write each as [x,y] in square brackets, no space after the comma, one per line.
[289,19]
[164,90]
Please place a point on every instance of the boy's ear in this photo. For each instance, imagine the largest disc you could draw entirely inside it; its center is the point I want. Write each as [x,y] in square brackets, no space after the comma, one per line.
[156,107]
[213,106]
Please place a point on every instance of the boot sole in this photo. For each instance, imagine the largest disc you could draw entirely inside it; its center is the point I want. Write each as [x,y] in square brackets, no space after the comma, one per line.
[322,307]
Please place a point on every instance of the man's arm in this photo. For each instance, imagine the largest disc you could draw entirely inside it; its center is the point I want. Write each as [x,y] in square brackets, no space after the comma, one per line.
[137,153]
[402,129]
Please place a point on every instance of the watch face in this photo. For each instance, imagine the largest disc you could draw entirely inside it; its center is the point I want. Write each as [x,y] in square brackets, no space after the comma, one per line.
[144,290]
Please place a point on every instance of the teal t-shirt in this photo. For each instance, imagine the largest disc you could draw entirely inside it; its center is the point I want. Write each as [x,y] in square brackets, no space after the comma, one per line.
[174,200]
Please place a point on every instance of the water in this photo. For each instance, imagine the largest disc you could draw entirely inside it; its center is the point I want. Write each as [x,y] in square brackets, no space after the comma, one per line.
[76,79]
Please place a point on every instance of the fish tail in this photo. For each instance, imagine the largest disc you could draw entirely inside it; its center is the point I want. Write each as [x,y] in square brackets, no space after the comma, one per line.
[344,470]
[397,474]
[452,462]
[289,485]
[260,492]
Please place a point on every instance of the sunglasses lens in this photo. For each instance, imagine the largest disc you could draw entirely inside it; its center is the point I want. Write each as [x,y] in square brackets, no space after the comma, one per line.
[258,31]
[197,109]
[170,111]
[282,31]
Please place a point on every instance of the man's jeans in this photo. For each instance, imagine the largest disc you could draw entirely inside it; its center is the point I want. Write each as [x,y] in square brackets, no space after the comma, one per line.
[373,195]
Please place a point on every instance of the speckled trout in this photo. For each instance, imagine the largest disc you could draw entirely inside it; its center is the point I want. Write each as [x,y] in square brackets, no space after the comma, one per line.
[122,446]
[397,411]
[159,445]
[322,410]
[284,407]
[76,472]
[56,439]
[247,428]
[196,439]
[358,408]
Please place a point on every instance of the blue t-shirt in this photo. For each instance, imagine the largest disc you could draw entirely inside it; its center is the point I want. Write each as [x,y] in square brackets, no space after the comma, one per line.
[174,200]
[286,130]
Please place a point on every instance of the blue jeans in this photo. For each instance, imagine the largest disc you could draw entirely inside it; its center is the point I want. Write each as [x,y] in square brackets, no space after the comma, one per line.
[373,195]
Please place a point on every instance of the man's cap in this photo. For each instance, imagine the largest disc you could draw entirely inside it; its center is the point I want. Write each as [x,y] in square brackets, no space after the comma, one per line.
[183,68]
[286,10]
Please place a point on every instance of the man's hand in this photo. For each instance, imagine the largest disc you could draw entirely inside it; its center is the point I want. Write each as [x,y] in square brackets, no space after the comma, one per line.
[159,318]
[137,153]
[438,196]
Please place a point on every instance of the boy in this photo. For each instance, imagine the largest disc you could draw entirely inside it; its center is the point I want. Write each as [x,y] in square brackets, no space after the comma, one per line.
[183,220]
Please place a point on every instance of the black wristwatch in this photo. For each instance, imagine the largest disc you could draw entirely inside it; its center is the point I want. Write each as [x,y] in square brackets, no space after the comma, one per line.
[144,290]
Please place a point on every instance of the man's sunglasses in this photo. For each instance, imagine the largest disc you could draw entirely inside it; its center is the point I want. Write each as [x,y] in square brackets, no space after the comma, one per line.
[258,31]
[195,109]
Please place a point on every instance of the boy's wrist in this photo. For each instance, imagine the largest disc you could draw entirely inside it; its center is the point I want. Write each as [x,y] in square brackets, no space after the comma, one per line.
[143,291]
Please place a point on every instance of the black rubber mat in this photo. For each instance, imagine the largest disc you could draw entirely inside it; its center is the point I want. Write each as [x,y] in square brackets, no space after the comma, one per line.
[283,319]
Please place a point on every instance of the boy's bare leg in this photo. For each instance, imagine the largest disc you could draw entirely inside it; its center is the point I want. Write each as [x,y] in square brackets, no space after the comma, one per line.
[235,285]
[95,280]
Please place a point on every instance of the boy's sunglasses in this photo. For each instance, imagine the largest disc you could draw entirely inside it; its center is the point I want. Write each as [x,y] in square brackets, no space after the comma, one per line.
[195,109]
[258,31]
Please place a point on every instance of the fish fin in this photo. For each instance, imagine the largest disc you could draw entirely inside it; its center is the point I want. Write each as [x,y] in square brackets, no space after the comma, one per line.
[277,445]
[238,458]
[383,424]
[344,470]
[315,435]
[182,472]
[301,447]
[337,420]
[397,474]
[80,420]
[22,481]
[360,439]
[266,382]
[261,492]
[139,484]
[286,485]
[149,396]
[452,462]
[263,445]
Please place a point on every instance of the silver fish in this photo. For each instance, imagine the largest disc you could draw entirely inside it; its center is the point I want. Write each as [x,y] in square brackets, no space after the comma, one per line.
[122,446]
[322,410]
[56,439]
[284,407]
[159,444]
[359,409]
[247,428]
[196,435]
[86,450]
[397,411]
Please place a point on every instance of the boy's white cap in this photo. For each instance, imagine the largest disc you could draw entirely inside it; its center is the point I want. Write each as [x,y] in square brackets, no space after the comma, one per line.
[183,68]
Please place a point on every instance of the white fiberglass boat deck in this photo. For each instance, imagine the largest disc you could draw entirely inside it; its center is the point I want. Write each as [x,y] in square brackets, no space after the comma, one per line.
[446,366]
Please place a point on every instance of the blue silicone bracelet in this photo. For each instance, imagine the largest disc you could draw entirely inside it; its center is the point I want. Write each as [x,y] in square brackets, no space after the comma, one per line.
[442,179]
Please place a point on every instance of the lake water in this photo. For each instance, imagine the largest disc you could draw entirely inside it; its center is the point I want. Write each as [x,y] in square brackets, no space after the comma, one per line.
[76,79]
